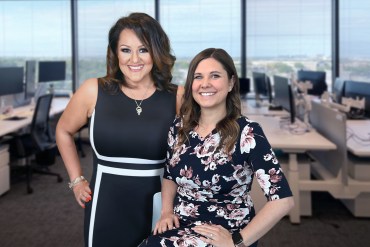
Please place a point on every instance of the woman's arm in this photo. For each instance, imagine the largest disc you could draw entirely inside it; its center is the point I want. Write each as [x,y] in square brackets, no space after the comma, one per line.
[73,118]
[272,181]
[265,219]
[168,220]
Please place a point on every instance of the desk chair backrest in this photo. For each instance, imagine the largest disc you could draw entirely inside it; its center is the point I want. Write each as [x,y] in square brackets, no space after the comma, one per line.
[332,125]
[40,128]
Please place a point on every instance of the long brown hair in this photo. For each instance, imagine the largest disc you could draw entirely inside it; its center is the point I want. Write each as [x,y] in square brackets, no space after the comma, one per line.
[150,32]
[190,110]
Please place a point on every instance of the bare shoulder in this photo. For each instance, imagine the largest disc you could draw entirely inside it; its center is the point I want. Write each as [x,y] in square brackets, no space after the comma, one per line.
[179,98]
[180,90]
[90,86]
[87,94]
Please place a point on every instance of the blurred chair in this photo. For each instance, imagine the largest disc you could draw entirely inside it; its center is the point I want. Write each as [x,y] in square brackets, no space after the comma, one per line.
[157,207]
[38,143]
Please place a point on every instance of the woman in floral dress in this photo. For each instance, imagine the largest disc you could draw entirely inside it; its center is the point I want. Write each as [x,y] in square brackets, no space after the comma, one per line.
[213,155]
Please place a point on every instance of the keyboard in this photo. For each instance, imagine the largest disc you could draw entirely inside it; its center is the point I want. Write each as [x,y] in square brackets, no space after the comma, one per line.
[14,118]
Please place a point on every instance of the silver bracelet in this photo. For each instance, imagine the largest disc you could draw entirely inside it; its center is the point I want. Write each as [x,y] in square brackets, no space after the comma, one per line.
[76,181]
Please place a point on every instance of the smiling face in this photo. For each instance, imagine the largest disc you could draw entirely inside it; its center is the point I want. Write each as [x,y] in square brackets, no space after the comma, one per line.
[134,58]
[211,84]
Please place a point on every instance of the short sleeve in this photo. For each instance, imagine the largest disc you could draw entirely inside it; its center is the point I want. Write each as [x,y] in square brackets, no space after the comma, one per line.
[266,167]
[171,142]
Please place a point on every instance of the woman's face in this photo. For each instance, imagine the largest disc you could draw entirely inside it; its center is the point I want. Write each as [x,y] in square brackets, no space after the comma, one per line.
[211,85]
[134,58]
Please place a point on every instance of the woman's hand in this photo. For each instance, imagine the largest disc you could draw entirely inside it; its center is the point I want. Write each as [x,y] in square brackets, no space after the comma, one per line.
[168,221]
[82,193]
[215,235]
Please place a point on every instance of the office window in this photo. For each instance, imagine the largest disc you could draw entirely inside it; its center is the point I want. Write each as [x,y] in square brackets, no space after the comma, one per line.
[354,40]
[36,30]
[196,25]
[95,18]
[285,36]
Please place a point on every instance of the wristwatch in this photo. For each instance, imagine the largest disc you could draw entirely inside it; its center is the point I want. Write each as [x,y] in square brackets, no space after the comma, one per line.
[238,239]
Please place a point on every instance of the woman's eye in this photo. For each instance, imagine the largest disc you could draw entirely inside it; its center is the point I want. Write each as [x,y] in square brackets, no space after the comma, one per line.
[197,77]
[215,76]
[125,50]
[143,50]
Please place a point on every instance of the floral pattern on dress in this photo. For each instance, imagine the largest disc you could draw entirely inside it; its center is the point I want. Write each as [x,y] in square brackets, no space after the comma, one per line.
[214,186]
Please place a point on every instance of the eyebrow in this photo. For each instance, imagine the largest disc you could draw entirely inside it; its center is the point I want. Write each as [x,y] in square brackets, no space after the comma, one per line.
[140,46]
[212,72]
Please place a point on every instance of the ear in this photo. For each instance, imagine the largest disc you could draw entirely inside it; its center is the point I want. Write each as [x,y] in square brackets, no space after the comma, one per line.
[231,83]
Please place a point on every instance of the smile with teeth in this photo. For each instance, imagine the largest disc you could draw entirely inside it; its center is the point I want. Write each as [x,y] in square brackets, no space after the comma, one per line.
[207,94]
[134,68]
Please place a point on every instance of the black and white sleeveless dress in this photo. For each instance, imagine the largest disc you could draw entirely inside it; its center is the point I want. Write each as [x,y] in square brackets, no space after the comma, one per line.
[129,155]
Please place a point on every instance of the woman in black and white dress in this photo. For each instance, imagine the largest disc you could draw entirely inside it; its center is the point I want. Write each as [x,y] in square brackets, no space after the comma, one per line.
[129,112]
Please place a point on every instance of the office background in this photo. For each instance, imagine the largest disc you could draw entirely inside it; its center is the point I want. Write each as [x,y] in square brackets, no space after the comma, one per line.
[277,37]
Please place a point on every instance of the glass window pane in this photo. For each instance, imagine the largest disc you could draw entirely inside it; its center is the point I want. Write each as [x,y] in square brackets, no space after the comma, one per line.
[36,30]
[285,36]
[93,27]
[196,25]
[354,40]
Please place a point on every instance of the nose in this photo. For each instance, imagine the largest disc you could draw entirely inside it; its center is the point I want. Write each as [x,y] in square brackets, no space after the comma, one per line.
[135,57]
[204,83]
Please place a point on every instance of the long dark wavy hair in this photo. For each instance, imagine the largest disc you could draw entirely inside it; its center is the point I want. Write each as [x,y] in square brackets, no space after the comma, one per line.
[153,37]
[190,110]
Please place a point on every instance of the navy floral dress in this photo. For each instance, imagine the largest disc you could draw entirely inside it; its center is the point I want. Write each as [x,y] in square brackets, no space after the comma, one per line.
[214,186]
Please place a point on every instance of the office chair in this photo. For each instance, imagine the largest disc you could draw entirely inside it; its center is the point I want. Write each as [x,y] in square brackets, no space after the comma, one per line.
[38,143]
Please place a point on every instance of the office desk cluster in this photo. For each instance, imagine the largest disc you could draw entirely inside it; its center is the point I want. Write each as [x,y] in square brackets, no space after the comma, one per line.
[326,147]
[10,126]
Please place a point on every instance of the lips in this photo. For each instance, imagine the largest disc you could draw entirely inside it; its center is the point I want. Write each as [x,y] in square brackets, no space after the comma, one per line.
[136,67]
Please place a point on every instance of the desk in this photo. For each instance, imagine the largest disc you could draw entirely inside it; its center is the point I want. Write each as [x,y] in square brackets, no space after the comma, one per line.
[9,126]
[292,145]
[249,108]
[358,144]
[360,128]
[6,127]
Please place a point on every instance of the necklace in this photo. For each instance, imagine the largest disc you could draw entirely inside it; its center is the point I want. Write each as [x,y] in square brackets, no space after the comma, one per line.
[138,108]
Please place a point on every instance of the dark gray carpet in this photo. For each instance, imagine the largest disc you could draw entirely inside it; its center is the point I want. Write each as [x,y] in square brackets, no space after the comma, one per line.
[51,217]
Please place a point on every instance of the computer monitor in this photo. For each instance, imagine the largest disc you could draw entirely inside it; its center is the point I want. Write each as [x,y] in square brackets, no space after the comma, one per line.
[11,80]
[317,78]
[354,89]
[338,90]
[50,71]
[30,79]
[244,87]
[284,96]
[262,86]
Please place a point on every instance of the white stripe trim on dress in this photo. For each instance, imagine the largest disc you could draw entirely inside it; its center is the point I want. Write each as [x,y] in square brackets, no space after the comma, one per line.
[116,171]
[117,159]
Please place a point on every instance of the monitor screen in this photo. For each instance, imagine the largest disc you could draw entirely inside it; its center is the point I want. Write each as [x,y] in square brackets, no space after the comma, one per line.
[244,85]
[11,80]
[338,90]
[30,77]
[317,78]
[284,95]
[262,85]
[354,89]
[52,71]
